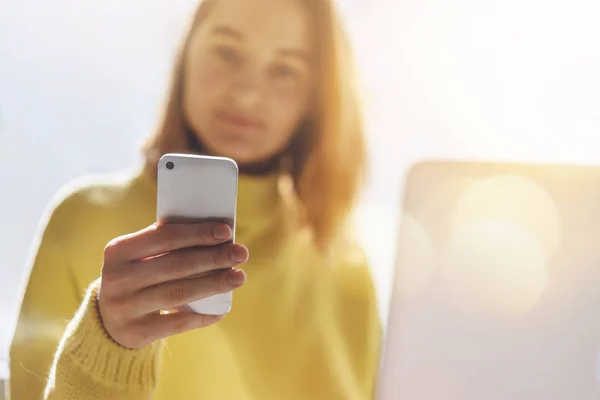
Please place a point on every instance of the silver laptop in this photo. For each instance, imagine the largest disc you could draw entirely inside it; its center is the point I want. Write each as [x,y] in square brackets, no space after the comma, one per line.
[497,287]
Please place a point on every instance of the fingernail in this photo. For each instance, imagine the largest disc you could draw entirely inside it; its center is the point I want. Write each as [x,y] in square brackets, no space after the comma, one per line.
[238,254]
[236,277]
[221,232]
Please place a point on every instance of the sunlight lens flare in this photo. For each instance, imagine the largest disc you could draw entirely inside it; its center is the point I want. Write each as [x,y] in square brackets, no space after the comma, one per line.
[436,208]
[511,198]
[495,266]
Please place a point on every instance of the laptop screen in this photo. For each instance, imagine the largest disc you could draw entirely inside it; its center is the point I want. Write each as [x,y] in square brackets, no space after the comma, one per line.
[497,285]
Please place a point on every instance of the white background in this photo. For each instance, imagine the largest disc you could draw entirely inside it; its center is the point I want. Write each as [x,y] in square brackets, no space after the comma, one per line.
[80,84]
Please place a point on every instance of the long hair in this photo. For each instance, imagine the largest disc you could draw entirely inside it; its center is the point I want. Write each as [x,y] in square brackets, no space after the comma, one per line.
[328,150]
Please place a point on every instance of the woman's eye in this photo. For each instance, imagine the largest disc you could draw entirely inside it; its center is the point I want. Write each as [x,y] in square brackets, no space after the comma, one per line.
[228,54]
[285,72]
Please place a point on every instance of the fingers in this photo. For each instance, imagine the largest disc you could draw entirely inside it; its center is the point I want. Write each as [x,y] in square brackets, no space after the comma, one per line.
[156,327]
[173,294]
[182,263]
[159,239]
[165,267]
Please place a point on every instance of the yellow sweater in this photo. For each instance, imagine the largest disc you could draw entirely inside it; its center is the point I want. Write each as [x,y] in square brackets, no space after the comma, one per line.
[301,328]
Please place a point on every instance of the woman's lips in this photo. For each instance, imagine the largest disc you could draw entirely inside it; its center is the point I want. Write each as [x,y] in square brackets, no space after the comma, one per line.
[240,121]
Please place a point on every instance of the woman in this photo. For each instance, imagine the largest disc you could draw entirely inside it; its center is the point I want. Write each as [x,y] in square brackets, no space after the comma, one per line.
[266,83]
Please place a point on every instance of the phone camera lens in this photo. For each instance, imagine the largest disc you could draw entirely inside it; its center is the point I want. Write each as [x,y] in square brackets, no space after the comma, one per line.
[170,165]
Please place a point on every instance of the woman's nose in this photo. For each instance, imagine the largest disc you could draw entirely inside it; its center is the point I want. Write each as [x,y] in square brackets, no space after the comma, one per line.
[246,91]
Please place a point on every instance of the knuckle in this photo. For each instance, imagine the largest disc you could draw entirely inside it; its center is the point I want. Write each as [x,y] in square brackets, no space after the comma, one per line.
[167,240]
[204,234]
[177,293]
[112,248]
[216,281]
[218,257]
[166,236]
[201,235]
[174,264]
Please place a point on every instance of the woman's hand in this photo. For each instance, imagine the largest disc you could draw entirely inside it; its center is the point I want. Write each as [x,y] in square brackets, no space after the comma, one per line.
[157,269]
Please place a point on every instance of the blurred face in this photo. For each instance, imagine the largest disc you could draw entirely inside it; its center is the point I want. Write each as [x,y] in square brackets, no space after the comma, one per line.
[247,77]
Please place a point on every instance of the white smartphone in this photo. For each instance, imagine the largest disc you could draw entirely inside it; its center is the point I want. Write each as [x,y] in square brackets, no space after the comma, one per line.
[194,189]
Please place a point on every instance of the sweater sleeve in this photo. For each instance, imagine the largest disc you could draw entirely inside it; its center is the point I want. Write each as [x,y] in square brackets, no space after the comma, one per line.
[87,363]
[90,365]
[50,300]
